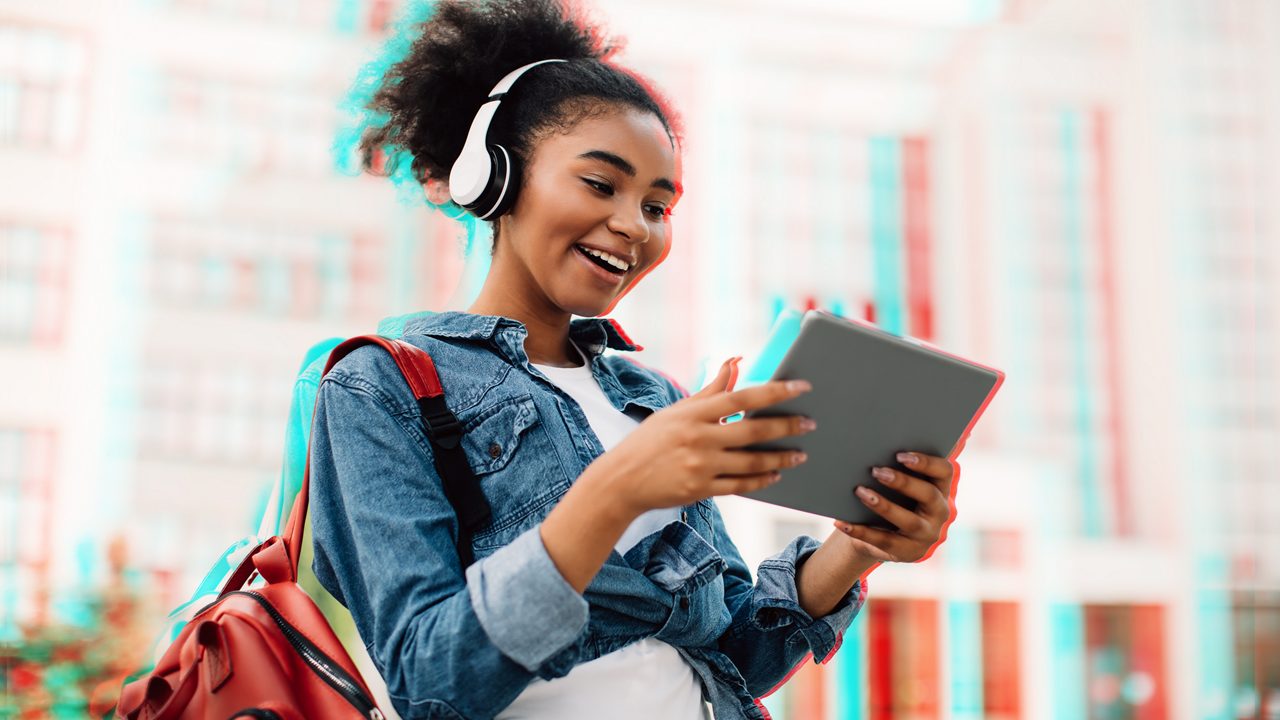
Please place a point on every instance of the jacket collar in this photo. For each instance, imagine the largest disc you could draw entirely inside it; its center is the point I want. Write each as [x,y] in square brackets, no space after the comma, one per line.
[592,334]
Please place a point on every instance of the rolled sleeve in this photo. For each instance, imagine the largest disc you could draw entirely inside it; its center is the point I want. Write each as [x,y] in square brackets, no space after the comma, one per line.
[775,604]
[769,634]
[520,583]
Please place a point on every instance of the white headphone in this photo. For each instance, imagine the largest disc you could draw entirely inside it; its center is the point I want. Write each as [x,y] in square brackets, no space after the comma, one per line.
[485,177]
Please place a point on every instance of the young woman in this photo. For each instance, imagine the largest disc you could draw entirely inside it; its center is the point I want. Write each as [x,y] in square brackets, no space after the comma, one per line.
[604,584]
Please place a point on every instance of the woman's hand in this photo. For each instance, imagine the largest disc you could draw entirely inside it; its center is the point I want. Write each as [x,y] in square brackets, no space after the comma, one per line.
[920,530]
[684,453]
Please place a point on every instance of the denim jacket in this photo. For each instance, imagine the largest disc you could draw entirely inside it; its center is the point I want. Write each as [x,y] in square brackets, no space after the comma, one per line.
[454,644]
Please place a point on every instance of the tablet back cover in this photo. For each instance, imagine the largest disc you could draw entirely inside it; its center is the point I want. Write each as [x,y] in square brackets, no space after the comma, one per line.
[874,394]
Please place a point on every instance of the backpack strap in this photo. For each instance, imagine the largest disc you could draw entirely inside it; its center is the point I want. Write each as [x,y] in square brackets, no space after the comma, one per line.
[442,430]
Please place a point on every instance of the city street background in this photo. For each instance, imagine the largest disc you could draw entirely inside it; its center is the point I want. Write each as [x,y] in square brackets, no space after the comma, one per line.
[1081,193]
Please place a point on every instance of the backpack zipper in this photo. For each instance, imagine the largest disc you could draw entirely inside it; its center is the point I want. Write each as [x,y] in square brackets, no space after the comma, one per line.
[321,664]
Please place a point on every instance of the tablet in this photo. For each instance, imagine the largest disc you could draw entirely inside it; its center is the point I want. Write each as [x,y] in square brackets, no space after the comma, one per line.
[874,394]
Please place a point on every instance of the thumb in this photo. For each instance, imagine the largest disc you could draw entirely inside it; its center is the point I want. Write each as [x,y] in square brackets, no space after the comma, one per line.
[724,380]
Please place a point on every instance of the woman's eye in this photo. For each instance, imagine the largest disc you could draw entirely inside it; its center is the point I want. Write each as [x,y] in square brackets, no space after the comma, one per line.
[606,189]
[601,187]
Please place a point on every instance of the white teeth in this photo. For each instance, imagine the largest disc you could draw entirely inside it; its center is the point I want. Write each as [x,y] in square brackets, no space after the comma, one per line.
[613,260]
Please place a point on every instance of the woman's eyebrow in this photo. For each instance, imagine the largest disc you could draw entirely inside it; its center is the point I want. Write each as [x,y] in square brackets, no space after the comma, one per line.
[626,167]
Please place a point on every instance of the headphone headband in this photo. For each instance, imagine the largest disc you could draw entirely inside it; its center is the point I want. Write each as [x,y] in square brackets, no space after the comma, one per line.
[510,78]
[481,175]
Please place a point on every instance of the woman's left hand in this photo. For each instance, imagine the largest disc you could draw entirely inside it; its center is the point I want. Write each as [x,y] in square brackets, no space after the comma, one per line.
[920,530]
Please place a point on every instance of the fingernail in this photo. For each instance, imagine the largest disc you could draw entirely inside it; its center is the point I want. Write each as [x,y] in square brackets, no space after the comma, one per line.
[907,458]
[867,495]
[798,385]
[883,474]
[797,458]
[775,476]
[808,424]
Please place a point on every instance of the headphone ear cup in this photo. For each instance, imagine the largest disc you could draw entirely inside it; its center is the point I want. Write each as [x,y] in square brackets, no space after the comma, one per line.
[500,191]
[506,181]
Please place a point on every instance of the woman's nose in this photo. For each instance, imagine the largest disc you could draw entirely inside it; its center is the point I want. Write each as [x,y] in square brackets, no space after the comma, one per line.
[630,224]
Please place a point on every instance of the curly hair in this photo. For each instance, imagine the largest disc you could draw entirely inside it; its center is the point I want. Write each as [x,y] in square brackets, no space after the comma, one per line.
[424,103]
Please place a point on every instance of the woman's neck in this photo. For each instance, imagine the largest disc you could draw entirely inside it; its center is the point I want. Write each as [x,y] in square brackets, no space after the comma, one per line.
[510,291]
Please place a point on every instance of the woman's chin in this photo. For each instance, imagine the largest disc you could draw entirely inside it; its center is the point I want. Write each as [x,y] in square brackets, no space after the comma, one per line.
[591,300]
[597,303]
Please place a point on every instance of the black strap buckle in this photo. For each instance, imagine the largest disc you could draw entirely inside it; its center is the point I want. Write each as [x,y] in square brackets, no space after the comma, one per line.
[442,426]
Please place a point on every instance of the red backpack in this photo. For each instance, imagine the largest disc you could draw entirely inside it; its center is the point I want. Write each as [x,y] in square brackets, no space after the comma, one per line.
[267,651]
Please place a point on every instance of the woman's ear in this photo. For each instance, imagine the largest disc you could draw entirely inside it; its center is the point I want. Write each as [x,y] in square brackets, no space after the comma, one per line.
[437,191]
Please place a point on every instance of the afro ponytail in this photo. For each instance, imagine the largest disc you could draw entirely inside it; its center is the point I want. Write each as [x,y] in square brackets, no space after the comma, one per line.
[416,104]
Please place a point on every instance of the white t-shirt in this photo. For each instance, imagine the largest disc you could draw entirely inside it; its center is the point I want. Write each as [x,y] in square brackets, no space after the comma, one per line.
[646,679]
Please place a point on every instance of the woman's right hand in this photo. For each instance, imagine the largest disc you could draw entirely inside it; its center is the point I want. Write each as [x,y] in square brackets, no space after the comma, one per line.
[683,453]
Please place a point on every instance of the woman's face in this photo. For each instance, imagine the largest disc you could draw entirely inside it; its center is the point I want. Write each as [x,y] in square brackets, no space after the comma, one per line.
[606,185]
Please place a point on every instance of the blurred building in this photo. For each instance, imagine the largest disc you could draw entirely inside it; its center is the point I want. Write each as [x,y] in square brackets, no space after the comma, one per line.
[1078,193]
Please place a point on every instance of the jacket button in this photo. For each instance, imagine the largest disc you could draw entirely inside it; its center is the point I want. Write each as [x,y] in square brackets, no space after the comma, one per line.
[684,603]
[684,516]
[495,450]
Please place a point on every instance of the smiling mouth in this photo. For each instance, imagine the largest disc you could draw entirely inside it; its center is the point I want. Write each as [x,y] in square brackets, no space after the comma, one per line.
[600,263]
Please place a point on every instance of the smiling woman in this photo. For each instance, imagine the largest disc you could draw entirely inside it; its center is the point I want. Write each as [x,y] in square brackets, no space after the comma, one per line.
[593,146]
[605,582]
[590,220]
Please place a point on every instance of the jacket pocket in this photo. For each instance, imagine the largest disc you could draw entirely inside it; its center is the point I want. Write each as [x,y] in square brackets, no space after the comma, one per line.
[519,471]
